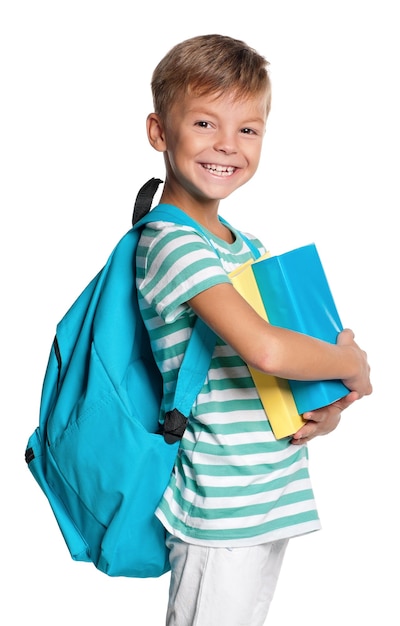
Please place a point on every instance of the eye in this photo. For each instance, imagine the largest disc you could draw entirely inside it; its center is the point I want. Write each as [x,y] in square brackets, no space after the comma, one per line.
[203,124]
[248,131]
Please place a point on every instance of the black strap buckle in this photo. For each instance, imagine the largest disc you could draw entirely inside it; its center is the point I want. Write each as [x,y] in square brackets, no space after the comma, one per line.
[174,426]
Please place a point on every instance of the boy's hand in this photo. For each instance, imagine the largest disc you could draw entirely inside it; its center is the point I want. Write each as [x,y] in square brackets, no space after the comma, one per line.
[323,421]
[361,381]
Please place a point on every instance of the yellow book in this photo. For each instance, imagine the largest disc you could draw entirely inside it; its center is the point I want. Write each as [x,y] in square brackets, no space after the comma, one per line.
[275,393]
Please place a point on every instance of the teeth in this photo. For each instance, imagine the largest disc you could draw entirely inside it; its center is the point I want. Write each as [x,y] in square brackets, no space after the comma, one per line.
[219,169]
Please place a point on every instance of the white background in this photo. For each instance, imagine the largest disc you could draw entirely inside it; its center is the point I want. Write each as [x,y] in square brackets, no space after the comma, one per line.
[74,96]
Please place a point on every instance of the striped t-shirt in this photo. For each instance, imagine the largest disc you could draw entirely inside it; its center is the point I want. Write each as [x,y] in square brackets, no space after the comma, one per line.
[233,483]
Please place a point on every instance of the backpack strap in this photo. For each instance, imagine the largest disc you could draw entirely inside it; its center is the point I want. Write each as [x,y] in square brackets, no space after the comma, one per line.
[197,357]
[196,361]
[191,377]
[144,199]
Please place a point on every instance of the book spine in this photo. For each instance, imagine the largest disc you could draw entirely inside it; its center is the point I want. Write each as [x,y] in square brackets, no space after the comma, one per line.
[277,399]
[275,393]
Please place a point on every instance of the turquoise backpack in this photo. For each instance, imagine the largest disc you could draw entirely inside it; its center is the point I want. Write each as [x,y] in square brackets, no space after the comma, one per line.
[97,453]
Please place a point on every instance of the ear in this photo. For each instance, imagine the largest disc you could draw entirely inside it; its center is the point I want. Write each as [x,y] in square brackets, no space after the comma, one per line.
[155,132]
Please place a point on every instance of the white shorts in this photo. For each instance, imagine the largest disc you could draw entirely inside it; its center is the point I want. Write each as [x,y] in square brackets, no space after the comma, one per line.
[222,586]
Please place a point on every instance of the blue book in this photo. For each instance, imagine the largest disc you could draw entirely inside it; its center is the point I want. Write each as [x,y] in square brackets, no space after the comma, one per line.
[296,295]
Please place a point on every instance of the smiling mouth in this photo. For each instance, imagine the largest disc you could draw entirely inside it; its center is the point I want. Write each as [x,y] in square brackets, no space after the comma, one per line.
[219,170]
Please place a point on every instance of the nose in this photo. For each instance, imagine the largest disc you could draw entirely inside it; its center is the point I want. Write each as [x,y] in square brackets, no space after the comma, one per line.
[225,143]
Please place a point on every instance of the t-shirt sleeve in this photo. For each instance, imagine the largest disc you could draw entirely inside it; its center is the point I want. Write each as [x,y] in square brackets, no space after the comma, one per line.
[174,264]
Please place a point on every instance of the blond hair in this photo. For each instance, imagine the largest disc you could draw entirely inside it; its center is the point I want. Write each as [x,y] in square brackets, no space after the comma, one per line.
[208,65]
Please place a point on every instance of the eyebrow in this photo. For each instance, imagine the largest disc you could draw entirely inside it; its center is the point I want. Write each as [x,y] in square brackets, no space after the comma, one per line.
[210,113]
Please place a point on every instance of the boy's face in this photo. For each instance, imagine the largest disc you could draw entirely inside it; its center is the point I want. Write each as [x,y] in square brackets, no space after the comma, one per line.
[212,145]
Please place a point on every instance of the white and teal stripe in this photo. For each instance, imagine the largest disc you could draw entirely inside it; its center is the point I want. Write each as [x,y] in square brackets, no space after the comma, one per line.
[233,483]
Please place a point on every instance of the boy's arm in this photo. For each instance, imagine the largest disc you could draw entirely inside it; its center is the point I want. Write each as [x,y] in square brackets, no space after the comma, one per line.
[279,351]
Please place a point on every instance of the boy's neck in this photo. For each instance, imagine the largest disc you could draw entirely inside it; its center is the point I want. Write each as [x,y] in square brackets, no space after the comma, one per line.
[203,211]
[206,214]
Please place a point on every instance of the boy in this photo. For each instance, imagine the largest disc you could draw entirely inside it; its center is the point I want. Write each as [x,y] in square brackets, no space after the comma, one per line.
[236,494]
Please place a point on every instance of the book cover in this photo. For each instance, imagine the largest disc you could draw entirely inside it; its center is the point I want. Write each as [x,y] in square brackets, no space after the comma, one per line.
[275,393]
[296,295]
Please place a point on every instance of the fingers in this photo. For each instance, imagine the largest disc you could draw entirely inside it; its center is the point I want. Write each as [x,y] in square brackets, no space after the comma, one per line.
[345,337]
[347,401]
[324,420]
[361,379]
[323,425]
